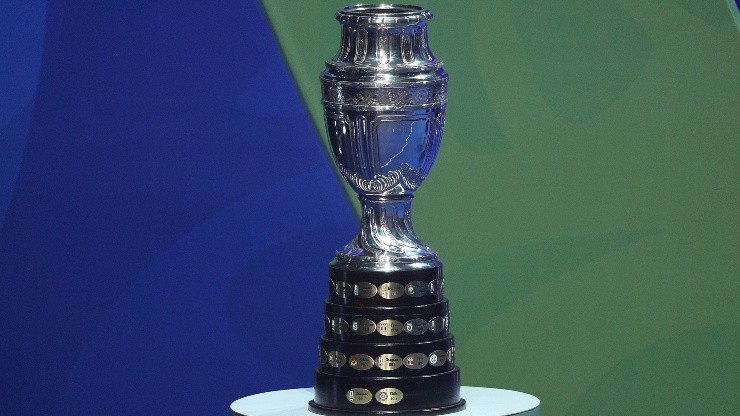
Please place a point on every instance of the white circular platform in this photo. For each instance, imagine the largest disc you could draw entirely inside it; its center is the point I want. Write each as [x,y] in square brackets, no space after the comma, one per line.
[480,401]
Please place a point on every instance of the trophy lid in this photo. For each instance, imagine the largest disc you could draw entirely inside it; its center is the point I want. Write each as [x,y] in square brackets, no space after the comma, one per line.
[385,14]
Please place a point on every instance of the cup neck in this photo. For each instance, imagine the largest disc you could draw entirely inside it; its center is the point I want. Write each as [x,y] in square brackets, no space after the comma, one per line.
[366,45]
[383,14]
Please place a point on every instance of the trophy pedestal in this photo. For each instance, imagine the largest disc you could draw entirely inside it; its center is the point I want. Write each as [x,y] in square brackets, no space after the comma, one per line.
[386,348]
[431,394]
[480,401]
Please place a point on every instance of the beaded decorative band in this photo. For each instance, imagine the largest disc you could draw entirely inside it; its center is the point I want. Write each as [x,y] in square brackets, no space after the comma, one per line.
[388,327]
[352,96]
[387,362]
[388,290]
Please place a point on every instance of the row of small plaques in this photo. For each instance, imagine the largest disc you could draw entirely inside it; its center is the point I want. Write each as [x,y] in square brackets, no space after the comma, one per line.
[388,362]
[389,327]
[387,395]
[389,290]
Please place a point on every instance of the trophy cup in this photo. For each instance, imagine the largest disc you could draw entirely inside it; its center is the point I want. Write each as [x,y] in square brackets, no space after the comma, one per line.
[386,348]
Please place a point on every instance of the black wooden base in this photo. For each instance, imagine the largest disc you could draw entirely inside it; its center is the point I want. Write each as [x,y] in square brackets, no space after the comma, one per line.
[386,348]
[427,394]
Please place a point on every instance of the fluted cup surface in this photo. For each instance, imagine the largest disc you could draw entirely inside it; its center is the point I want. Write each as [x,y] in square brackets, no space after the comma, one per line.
[384,95]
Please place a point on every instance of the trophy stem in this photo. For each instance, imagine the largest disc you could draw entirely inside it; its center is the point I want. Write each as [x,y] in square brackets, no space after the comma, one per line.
[386,235]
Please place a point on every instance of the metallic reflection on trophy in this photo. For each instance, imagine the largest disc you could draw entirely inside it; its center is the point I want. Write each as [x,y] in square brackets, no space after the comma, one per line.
[386,345]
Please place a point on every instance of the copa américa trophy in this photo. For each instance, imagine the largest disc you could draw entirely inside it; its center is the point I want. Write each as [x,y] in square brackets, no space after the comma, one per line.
[387,346]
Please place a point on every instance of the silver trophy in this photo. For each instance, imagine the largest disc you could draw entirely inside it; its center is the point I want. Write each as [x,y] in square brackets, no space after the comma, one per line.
[386,346]
[385,94]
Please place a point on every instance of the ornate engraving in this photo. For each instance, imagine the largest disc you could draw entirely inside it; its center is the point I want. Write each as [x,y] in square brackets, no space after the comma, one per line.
[384,96]
[382,183]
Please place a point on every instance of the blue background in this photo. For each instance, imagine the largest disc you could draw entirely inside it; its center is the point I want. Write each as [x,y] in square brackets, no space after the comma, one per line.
[167,210]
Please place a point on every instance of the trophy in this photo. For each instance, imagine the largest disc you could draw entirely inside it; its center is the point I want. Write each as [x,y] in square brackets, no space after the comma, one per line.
[386,346]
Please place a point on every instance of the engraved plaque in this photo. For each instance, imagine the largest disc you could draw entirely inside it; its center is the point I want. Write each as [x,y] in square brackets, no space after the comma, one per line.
[415,326]
[362,326]
[390,327]
[389,395]
[391,290]
[416,289]
[415,361]
[323,357]
[438,358]
[337,359]
[361,362]
[433,287]
[451,355]
[389,361]
[436,324]
[339,326]
[343,289]
[359,396]
[365,290]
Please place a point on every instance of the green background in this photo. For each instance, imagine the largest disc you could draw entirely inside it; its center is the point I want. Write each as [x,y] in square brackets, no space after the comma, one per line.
[585,200]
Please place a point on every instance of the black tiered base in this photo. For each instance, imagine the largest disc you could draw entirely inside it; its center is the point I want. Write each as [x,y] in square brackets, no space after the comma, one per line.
[387,348]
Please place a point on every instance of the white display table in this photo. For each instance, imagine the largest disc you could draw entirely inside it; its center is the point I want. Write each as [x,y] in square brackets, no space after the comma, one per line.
[480,401]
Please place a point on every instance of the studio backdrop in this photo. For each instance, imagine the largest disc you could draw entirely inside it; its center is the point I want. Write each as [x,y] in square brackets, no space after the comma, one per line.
[168,208]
